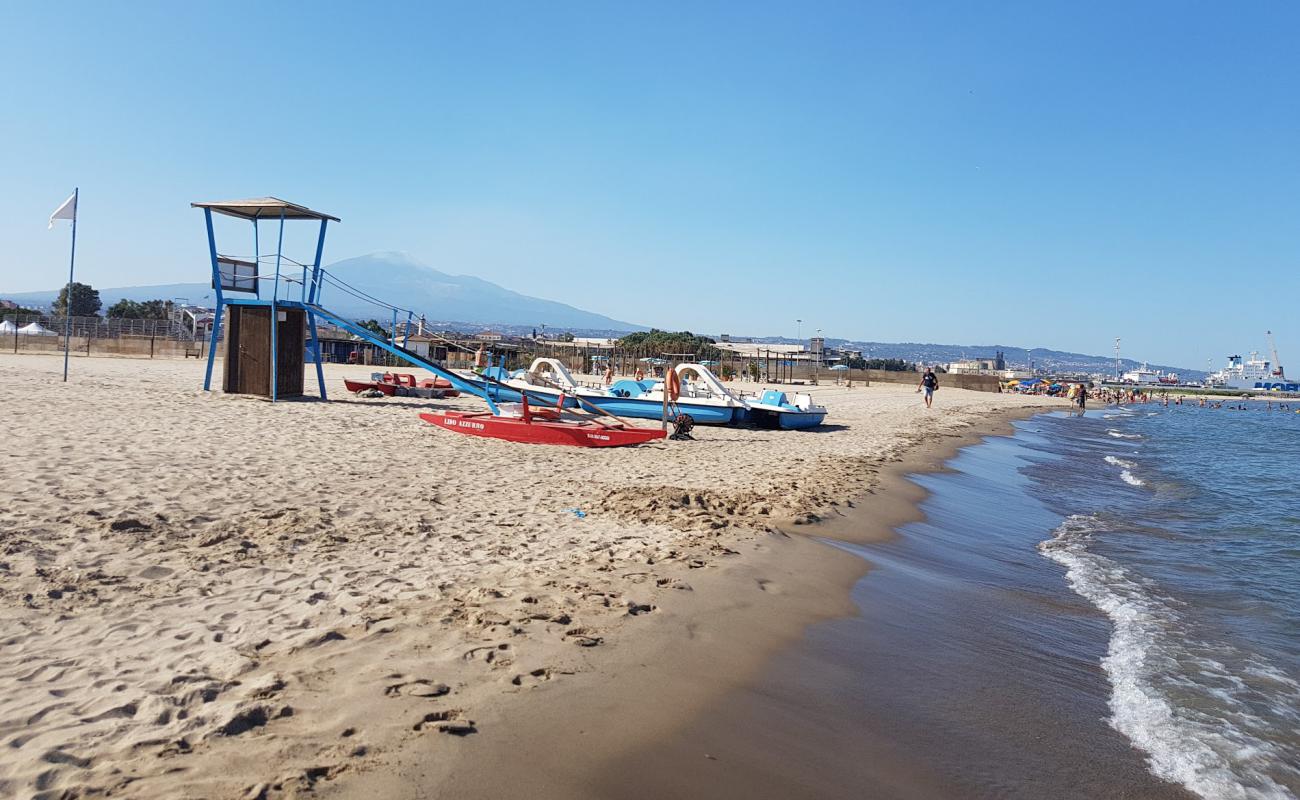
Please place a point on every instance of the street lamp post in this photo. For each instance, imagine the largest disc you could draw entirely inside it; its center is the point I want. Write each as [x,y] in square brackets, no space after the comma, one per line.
[817,361]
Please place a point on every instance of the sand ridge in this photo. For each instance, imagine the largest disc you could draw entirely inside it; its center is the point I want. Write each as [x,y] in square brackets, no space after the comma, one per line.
[212,596]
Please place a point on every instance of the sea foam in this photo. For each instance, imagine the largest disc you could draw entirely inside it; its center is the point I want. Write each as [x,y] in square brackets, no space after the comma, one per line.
[1131,479]
[1152,667]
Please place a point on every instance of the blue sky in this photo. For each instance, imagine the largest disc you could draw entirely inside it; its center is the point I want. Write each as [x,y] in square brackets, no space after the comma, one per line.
[1044,174]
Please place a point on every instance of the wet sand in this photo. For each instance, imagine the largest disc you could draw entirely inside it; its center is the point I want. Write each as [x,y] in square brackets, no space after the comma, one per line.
[726,701]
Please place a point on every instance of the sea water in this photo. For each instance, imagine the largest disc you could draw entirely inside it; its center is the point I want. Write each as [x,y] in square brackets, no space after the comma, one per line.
[1182,525]
[1096,606]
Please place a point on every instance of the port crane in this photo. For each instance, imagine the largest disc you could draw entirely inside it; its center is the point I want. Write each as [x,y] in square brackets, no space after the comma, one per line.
[1272,346]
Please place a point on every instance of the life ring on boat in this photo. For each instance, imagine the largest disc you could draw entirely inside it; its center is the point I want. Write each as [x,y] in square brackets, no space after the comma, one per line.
[673,385]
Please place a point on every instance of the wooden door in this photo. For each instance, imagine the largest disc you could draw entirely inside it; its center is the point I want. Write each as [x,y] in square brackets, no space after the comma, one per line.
[248,350]
[290,344]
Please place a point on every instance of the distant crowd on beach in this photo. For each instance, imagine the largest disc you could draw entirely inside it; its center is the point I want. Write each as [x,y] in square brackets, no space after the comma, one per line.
[1080,393]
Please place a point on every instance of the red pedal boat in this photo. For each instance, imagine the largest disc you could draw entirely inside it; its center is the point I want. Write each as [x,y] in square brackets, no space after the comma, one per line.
[403,384]
[542,426]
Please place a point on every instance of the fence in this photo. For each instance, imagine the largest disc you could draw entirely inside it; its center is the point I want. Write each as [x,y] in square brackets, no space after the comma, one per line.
[121,346]
[102,327]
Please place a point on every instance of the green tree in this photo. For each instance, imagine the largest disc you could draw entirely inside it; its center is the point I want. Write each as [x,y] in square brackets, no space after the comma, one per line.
[149,309]
[374,327]
[85,301]
[659,342]
[157,309]
[125,309]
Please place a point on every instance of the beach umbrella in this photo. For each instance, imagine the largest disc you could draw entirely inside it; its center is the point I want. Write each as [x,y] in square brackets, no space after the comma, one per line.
[840,368]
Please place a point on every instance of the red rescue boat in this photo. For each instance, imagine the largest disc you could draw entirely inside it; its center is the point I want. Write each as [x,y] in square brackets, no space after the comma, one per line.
[543,426]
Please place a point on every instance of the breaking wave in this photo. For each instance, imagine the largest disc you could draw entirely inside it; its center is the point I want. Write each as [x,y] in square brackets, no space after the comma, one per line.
[1174,696]
[1131,479]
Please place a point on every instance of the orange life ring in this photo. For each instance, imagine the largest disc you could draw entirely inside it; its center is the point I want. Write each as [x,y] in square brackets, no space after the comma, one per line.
[674,385]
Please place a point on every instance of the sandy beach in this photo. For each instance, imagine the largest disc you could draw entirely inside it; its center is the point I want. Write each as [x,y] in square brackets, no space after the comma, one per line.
[213,596]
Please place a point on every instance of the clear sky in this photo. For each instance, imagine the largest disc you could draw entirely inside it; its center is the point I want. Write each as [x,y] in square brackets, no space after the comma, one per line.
[1035,173]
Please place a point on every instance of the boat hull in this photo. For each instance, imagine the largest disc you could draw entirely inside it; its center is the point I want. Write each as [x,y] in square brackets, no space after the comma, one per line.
[515,429]
[786,419]
[389,389]
[653,409]
[799,420]
[435,390]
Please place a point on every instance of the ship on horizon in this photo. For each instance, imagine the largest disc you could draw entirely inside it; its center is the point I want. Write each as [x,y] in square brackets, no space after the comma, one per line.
[1254,373]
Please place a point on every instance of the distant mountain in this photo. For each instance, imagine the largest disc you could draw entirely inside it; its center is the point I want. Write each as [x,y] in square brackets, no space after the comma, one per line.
[191,292]
[399,278]
[403,281]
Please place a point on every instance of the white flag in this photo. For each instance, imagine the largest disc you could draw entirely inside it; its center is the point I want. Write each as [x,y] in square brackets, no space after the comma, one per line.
[66,211]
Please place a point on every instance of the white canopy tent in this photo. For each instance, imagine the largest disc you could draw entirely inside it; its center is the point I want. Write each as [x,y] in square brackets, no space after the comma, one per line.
[36,329]
[7,327]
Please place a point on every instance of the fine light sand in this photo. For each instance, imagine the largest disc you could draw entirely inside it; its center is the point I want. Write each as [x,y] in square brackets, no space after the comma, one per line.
[212,596]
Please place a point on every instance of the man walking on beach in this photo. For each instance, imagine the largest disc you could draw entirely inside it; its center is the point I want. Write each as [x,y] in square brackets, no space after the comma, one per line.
[929,382]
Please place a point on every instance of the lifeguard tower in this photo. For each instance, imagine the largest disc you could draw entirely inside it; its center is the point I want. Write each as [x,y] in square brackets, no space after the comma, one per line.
[269,325]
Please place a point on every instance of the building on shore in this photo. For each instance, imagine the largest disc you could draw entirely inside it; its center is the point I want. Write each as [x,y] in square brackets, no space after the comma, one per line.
[979,366]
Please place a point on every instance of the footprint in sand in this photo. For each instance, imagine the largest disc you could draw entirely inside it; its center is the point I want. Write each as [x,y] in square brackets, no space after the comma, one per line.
[537,676]
[419,687]
[583,637]
[448,721]
[497,655]
[768,586]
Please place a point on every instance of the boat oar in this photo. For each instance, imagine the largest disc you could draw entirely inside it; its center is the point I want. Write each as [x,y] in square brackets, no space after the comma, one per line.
[578,398]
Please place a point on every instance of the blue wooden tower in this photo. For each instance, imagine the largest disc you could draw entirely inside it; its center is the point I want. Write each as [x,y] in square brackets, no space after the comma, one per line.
[265,325]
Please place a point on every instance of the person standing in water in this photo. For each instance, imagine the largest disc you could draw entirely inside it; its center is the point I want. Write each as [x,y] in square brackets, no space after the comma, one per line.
[929,382]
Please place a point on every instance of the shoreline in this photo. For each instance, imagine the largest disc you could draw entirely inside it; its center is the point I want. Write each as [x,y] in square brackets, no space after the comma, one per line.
[587,736]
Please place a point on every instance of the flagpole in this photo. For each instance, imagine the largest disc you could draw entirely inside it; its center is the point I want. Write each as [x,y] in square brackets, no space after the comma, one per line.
[72,266]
